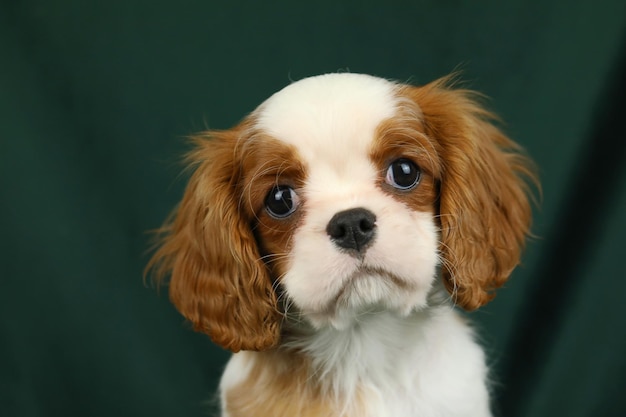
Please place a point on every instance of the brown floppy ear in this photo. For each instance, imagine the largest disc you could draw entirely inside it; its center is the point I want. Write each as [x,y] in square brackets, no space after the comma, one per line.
[483,203]
[218,280]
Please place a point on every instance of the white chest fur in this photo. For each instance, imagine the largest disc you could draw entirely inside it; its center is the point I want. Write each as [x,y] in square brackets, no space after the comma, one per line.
[424,365]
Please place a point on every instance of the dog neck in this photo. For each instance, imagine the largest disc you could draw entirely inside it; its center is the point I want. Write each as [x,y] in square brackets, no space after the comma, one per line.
[368,351]
[380,364]
[370,347]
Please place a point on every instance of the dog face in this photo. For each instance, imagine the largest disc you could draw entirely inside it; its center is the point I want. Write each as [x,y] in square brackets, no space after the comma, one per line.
[363,231]
[341,194]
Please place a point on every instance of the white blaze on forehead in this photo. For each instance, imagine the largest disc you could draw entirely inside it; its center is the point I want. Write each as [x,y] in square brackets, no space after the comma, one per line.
[329,118]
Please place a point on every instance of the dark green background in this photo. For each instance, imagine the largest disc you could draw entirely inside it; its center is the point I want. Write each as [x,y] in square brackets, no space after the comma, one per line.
[96,96]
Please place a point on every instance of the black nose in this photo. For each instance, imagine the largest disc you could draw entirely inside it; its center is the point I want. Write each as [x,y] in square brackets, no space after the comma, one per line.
[352,229]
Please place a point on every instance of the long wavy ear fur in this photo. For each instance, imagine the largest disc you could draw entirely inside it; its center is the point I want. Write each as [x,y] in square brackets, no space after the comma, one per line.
[218,281]
[483,205]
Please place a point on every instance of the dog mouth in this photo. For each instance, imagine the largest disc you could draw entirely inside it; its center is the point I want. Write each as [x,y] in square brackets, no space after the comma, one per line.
[365,286]
[364,291]
[379,273]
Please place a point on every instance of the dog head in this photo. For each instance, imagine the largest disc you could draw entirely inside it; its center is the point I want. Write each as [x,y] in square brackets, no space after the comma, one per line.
[342,193]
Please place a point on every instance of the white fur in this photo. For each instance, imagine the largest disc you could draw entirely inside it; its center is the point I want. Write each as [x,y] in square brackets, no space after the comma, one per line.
[237,370]
[425,365]
[364,332]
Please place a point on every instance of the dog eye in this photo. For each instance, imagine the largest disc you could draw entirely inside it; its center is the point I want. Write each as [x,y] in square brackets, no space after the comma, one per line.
[281,201]
[403,174]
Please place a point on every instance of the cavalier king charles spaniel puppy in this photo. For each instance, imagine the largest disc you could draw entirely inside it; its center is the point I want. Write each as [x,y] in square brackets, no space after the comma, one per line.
[328,237]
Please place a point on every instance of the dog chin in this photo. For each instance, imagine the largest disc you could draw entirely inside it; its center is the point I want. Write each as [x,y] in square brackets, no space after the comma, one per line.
[367,293]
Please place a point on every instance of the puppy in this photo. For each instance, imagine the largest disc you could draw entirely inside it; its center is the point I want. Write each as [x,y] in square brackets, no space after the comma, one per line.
[326,239]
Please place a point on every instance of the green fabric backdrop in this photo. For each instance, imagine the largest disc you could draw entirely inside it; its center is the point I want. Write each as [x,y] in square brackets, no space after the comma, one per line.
[95,98]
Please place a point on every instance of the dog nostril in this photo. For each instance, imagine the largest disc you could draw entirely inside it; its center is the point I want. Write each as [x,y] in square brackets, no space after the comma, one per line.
[366,225]
[352,229]
[338,231]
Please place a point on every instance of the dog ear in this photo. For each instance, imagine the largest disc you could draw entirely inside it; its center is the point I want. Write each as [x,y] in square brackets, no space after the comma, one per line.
[483,204]
[218,280]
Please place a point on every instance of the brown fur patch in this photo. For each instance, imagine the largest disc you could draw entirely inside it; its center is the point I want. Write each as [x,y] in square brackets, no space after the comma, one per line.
[219,280]
[281,384]
[403,137]
[484,209]
[268,162]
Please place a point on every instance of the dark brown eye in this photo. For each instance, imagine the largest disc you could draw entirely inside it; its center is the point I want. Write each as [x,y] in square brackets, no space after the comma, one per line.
[281,201]
[403,174]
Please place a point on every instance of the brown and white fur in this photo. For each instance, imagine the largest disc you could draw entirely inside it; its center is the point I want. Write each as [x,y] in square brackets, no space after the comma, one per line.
[327,238]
